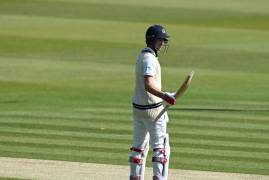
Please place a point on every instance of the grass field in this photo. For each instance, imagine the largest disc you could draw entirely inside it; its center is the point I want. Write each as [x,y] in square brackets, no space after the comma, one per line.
[67,75]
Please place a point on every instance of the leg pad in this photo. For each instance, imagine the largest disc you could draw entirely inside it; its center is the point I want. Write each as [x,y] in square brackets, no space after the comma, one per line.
[136,160]
[135,177]
[159,159]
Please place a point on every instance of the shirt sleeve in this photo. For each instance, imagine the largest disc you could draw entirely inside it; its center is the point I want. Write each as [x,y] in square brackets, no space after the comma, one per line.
[149,67]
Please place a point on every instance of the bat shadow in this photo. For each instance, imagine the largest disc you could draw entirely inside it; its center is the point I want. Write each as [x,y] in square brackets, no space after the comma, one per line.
[11,101]
[219,109]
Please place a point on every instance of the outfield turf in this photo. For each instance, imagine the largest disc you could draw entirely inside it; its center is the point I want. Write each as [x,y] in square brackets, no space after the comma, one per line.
[67,77]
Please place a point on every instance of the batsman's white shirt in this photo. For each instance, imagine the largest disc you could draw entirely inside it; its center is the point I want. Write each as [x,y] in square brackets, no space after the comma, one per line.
[147,105]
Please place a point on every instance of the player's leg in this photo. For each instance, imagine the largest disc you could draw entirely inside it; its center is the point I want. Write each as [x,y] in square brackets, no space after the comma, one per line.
[139,150]
[159,140]
[160,160]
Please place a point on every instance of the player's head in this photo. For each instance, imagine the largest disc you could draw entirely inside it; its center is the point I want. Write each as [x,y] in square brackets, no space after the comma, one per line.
[155,35]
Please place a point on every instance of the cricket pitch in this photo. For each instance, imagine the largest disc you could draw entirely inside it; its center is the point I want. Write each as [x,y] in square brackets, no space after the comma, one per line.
[62,170]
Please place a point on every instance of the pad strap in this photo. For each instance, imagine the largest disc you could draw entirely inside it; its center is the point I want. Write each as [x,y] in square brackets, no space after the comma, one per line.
[134,177]
[161,150]
[159,159]
[137,150]
[136,160]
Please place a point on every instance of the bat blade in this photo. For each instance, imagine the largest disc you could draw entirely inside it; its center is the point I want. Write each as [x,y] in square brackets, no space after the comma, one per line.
[184,85]
[179,92]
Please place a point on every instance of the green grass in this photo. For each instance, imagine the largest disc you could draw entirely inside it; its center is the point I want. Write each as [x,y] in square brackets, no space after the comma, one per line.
[67,77]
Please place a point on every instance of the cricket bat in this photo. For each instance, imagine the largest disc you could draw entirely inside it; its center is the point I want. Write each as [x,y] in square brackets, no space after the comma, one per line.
[179,93]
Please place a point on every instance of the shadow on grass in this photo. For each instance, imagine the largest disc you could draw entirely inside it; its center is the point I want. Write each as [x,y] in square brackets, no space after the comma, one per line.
[219,109]
[12,101]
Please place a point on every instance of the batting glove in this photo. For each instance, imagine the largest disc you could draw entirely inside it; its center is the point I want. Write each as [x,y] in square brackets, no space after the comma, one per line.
[169,98]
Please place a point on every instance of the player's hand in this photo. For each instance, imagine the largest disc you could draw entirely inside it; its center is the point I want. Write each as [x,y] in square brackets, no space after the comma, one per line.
[169,98]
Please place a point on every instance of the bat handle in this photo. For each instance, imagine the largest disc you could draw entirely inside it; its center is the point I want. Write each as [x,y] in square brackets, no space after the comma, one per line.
[161,113]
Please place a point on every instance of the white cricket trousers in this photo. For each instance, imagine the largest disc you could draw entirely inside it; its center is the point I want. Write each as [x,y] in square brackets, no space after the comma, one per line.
[146,132]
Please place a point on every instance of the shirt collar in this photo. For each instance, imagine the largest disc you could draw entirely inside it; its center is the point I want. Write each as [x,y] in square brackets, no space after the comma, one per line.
[150,50]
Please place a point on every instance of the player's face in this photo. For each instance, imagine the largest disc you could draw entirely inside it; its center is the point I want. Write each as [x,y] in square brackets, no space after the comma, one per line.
[159,44]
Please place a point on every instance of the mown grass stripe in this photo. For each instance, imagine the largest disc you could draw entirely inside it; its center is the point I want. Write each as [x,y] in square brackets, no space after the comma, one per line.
[179,164]
[220,157]
[223,110]
[101,117]
[64,133]
[57,123]
[211,166]
[213,152]
[220,147]
[65,128]
[93,116]
[220,128]
[65,151]
[79,140]
[251,121]
[100,124]
[212,132]
[62,147]
[249,165]
[217,143]
[82,138]
[123,124]
[63,157]
[90,155]
[123,119]
[220,138]
[201,155]
[127,132]
[126,138]
[96,123]
[90,118]
[136,13]
[218,115]
[84,145]
[66,142]
[175,148]
[87,138]
[215,119]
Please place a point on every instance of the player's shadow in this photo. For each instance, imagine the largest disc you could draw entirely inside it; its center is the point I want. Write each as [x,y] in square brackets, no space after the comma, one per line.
[219,109]
[11,101]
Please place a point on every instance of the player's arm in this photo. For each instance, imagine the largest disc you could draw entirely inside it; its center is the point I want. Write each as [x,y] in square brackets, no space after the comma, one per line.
[151,87]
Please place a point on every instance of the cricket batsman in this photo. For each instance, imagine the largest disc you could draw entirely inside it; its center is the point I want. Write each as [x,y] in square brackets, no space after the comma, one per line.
[148,101]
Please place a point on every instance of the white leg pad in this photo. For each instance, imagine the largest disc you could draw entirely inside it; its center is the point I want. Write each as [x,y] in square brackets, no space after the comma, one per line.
[138,163]
[160,161]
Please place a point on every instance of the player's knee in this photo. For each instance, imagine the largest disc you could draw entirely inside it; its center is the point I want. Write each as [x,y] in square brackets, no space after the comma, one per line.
[164,151]
[159,155]
[138,152]
[136,156]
